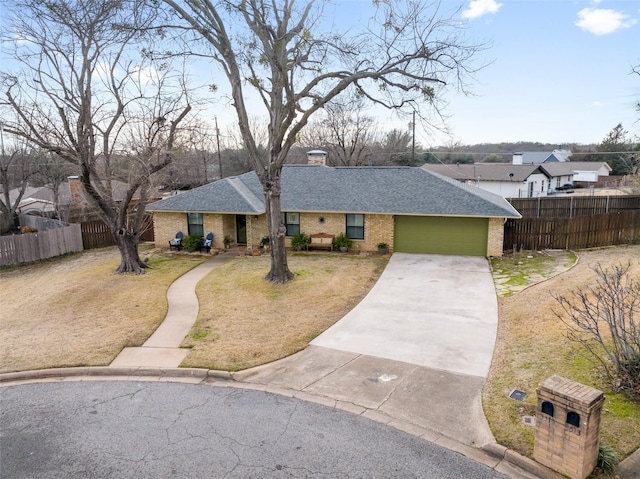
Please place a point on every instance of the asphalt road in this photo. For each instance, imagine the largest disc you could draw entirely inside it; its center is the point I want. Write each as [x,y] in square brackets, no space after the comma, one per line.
[157,430]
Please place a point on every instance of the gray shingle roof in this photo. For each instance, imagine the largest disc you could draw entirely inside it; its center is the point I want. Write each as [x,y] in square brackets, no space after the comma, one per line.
[486,171]
[310,188]
[568,167]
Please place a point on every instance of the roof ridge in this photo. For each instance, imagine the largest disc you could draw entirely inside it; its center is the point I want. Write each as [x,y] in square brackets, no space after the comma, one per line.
[242,189]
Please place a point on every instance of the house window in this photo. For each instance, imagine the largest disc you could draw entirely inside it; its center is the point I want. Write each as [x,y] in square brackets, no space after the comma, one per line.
[558,181]
[292,222]
[195,224]
[355,226]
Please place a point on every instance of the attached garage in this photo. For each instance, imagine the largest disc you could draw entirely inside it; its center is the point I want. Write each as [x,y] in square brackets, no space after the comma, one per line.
[441,235]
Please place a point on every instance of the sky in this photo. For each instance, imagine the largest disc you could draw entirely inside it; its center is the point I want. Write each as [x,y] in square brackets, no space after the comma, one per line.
[558,71]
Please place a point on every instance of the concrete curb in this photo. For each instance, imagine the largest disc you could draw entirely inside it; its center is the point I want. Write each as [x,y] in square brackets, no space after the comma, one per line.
[493,455]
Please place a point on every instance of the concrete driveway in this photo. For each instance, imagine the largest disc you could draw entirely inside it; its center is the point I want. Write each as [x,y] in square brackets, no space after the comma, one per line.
[416,350]
[430,310]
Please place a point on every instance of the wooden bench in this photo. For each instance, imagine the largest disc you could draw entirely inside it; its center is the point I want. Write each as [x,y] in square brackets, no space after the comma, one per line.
[320,241]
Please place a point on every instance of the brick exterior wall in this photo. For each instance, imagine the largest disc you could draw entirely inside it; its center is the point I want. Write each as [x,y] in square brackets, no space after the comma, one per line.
[566,448]
[495,237]
[378,228]
[166,225]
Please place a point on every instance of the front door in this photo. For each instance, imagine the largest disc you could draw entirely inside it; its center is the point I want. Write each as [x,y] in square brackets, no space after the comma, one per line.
[241,229]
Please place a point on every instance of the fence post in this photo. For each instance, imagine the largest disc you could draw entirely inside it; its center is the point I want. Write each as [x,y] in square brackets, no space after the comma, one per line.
[571,207]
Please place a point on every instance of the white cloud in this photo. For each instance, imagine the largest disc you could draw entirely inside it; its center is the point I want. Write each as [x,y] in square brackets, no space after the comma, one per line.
[478,8]
[600,21]
[147,75]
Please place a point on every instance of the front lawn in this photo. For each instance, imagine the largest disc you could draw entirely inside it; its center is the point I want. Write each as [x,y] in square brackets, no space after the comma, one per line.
[245,321]
[75,311]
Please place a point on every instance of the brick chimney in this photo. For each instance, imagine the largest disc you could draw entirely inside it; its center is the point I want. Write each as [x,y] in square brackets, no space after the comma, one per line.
[76,197]
[317,157]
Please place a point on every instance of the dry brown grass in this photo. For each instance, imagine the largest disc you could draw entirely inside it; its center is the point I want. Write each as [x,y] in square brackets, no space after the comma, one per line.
[532,346]
[245,321]
[75,311]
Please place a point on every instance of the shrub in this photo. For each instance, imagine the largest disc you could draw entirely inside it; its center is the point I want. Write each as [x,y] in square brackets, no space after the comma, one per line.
[607,459]
[342,241]
[191,242]
[604,319]
[299,241]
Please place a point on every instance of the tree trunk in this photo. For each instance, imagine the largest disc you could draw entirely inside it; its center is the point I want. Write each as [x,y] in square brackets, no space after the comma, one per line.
[279,272]
[129,259]
[6,222]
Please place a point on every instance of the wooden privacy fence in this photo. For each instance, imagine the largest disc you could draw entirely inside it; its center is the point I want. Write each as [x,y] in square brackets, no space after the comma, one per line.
[25,248]
[97,234]
[571,206]
[573,233]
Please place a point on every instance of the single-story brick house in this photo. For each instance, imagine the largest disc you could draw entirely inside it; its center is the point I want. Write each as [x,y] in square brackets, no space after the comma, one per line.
[410,209]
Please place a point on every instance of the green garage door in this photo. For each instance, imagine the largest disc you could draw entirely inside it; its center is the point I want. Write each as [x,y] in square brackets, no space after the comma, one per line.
[441,235]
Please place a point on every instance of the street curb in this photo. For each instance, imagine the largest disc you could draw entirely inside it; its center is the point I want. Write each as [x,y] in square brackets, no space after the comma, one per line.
[103,371]
[523,462]
[501,453]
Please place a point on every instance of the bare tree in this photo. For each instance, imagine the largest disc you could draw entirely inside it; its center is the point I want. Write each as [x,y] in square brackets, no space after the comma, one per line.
[604,319]
[396,148]
[620,152]
[17,165]
[636,71]
[409,50]
[86,93]
[52,171]
[344,130]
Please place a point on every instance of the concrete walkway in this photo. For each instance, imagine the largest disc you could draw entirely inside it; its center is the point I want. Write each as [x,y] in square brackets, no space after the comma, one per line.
[162,349]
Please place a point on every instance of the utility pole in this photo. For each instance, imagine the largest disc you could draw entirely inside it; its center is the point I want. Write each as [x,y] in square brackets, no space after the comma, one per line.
[218,144]
[413,139]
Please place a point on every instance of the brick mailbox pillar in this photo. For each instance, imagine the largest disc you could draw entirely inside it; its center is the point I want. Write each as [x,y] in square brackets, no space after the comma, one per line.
[567,426]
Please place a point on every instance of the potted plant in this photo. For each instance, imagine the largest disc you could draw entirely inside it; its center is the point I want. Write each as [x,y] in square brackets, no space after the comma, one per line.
[383,248]
[342,242]
[264,242]
[299,241]
[227,241]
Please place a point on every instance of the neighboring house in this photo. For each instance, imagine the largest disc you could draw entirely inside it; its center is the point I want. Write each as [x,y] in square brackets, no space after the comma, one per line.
[576,172]
[72,204]
[506,180]
[411,209]
[34,201]
[524,181]
[537,157]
